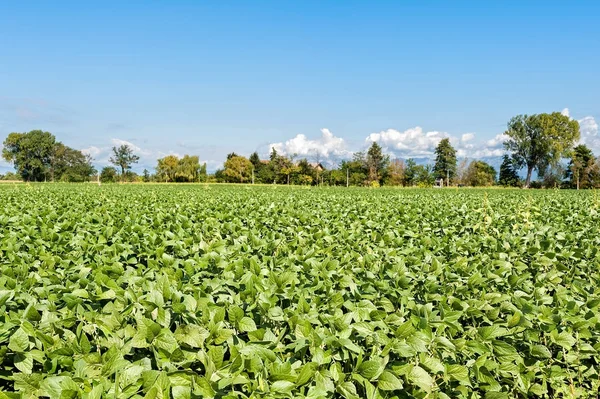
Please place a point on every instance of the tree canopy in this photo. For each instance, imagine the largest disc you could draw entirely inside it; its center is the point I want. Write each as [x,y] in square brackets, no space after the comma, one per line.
[538,141]
[123,157]
[37,156]
[508,175]
[445,161]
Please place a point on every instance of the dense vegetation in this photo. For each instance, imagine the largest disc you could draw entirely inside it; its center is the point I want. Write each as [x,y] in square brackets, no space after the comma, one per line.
[540,142]
[233,292]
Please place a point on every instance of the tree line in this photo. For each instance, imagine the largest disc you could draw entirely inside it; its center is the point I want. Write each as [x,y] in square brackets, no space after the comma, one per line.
[539,143]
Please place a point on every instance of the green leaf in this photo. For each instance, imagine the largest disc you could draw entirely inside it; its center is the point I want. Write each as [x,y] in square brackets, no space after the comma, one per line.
[458,373]
[540,352]
[347,390]
[19,341]
[421,378]
[490,332]
[247,325]
[191,335]
[24,362]
[370,369]
[282,386]
[388,382]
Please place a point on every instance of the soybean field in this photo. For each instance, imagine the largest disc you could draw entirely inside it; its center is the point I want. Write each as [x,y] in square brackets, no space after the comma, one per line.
[209,291]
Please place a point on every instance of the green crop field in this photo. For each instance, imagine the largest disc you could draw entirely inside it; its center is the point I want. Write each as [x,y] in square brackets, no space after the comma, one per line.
[197,291]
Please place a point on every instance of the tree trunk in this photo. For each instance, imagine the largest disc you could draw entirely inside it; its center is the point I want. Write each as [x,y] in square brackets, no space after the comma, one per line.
[577,180]
[528,179]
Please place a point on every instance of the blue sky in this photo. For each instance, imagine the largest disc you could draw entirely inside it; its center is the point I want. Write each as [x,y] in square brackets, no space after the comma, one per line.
[319,79]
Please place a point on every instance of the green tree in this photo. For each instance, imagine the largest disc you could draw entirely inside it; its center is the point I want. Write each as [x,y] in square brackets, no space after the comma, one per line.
[69,165]
[410,172]
[376,163]
[188,169]
[123,157]
[108,175]
[580,170]
[146,176]
[238,169]
[508,174]
[30,153]
[395,173]
[445,161]
[537,141]
[480,173]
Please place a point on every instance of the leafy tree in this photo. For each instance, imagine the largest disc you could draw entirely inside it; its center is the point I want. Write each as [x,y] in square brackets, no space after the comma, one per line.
[580,170]
[410,172]
[395,173]
[188,169]
[376,163]
[537,141]
[418,175]
[255,159]
[461,172]
[123,157]
[9,176]
[480,173]
[146,176]
[508,174]
[30,153]
[166,168]
[108,175]
[70,165]
[238,169]
[445,161]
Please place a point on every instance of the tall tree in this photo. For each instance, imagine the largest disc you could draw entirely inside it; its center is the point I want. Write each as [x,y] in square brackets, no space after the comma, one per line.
[537,141]
[508,174]
[581,167]
[480,173]
[167,168]
[70,165]
[376,163]
[238,169]
[445,161]
[123,157]
[395,173]
[30,153]
[188,169]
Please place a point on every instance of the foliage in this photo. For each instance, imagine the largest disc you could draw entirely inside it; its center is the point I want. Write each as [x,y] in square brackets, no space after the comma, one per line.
[238,169]
[418,175]
[508,175]
[376,163]
[37,156]
[539,141]
[445,161]
[9,176]
[582,170]
[123,157]
[109,175]
[480,173]
[395,173]
[187,169]
[180,291]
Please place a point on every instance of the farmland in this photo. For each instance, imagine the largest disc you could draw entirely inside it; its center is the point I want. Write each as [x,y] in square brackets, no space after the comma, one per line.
[188,291]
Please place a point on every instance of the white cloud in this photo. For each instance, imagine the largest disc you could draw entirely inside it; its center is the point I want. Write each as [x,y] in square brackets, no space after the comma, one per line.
[417,143]
[589,133]
[93,151]
[565,112]
[467,137]
[327,146]
[135,148]
[411,142]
